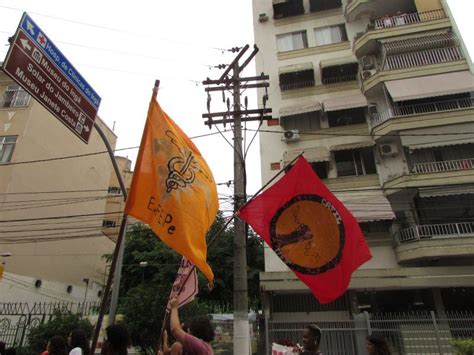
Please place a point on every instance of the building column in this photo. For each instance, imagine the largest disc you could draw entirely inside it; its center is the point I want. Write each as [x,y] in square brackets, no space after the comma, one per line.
[438,302]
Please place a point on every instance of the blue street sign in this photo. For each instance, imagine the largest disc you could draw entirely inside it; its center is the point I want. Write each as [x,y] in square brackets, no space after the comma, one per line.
[37,35]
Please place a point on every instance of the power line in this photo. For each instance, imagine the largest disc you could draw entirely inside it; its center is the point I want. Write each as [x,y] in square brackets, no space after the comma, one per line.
[90,154]
[104,27]
[365,135]
[61,217]
[68,203]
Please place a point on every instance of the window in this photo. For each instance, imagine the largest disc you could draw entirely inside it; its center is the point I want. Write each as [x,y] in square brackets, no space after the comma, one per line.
[292,41]
[15,96]
[321,5]
[346,117]
[108,223]
[330,34]
[303,122]
[297,79]
[7,145]
[287,8]
[321,169]
[115,190]
[355,162]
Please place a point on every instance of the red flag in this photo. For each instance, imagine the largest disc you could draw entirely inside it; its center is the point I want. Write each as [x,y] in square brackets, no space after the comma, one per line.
[310,230]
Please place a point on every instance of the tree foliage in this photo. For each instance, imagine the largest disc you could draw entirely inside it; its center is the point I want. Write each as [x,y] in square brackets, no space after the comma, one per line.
[144,289]
[60,324]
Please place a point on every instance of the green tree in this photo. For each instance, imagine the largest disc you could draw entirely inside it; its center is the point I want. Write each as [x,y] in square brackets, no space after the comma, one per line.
[60,324]
[144,290]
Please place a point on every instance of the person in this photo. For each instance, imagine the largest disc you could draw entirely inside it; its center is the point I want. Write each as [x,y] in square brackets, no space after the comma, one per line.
[176,348]
[2,348]
[78,342]
[197,341]
[377,345]
[117,340]
[311,340]
[57,346]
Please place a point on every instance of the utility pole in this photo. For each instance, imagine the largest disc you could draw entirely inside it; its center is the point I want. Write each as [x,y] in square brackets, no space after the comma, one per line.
[235,117]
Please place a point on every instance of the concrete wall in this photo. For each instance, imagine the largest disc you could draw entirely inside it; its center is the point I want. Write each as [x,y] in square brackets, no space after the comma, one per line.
[20,288]
[76,246]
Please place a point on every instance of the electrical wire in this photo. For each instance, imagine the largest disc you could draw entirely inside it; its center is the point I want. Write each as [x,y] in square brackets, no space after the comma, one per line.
[366,135]
[93,153]
[140,35]
[61,217]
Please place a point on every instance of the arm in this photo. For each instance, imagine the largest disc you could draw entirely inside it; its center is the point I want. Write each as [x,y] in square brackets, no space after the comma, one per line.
[175,324]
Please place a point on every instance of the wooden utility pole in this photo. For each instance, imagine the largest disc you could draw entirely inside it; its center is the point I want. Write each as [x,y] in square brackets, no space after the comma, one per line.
[235,117]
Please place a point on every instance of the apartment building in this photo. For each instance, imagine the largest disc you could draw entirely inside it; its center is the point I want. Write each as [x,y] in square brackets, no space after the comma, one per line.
[51,210]
[379,97]
[115,201]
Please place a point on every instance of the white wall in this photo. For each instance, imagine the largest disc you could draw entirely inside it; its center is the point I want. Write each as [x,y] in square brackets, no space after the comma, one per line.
[19,288]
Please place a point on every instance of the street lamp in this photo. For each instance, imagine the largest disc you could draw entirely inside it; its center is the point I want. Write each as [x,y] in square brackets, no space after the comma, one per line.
[143,265]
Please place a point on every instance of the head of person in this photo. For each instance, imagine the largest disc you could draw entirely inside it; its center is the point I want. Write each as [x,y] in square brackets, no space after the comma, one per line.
[2,347]
[117,340]
[10,351]
[377,345]
[57,346]
[78,339]
[311,337]
[201,328]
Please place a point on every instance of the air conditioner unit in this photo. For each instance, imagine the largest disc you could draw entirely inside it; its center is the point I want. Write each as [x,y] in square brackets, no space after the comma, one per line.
[388,149]
[291,135]
[372,109]
[368,73]
[262,18]
[367,62]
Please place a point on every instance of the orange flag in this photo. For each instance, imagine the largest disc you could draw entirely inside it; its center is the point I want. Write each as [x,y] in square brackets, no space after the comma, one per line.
[173,189]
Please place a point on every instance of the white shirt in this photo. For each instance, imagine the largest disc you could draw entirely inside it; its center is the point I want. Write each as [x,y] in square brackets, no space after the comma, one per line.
[76,351]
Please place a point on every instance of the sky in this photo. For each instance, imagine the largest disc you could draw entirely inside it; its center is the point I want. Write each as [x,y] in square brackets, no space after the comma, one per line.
[121,47]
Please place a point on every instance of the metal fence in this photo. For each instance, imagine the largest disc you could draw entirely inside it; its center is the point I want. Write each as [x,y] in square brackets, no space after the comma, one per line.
[17,318]
[428,231]
[406,333]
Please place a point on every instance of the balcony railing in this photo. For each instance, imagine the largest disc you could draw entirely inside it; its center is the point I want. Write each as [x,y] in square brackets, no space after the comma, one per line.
[440,166]
[427,57]
[408,19]
[339,79]
[297,85]
[429,231]
[421,109]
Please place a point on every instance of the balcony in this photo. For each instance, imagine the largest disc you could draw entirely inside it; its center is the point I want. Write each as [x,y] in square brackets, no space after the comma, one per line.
[424,109]
[435,241]
[339,79]
[400,25]
[442,166]
[408,19]
[418,59]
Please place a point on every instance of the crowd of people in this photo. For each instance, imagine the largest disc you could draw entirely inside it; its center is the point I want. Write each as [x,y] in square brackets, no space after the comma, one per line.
[194,339]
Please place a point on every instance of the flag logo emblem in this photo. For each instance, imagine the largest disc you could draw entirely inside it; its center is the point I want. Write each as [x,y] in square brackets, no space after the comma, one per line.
[307,233]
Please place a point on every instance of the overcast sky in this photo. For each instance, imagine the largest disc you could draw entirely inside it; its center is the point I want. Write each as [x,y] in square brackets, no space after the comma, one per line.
[121,47]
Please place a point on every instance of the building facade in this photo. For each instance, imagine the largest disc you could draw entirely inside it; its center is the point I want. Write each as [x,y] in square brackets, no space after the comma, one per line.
[379,96]
[52,210]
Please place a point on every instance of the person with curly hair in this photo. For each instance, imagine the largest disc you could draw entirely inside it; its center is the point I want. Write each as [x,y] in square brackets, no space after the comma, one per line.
[377,345]
[311,341]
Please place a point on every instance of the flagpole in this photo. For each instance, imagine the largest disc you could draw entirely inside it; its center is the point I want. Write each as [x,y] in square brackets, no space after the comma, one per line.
[219,232]
[117,257]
